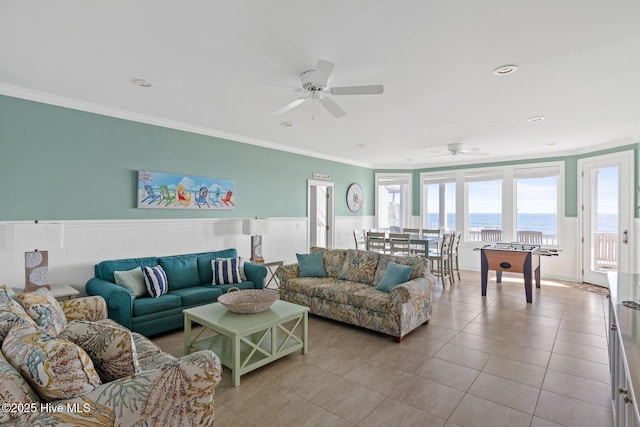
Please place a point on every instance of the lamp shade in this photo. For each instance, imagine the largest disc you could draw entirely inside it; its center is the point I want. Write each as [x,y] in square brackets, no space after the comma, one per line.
[255,226]
[35,236]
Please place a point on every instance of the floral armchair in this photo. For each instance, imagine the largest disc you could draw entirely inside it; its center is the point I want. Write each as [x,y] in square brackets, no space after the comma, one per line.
[95,372]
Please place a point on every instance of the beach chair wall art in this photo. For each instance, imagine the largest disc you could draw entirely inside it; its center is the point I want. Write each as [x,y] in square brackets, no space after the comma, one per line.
[158,190]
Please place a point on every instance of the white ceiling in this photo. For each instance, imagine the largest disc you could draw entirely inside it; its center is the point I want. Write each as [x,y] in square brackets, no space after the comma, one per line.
[215,67]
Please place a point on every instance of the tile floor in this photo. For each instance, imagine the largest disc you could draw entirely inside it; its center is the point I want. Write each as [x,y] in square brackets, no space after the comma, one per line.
[493,361]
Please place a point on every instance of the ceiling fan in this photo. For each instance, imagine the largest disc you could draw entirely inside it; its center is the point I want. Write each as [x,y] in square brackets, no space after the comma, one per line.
[457,149]
[315,85]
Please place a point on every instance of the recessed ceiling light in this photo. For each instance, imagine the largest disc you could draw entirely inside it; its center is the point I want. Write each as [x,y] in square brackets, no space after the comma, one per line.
[141,83]
[361,145]
[286,124]
[536,119]
[505,69]
[551,143]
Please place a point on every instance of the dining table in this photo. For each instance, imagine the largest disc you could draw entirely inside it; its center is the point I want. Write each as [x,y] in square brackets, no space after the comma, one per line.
[417,239]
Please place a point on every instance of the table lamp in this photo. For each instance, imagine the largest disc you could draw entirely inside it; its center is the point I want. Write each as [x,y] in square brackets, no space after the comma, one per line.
[255,228]
[38,238]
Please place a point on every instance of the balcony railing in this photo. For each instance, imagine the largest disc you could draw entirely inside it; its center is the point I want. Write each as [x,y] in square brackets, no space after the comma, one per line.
[605,251]
[488,235]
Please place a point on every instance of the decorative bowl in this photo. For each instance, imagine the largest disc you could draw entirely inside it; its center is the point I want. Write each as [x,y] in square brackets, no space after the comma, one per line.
[247,301]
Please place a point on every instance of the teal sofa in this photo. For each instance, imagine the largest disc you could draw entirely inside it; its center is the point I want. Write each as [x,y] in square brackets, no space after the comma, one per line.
[189,279]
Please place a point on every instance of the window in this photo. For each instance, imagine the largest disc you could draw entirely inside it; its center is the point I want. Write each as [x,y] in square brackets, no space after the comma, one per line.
[439,209]
[393,201]
[514,203]
[537,206]
[484,207]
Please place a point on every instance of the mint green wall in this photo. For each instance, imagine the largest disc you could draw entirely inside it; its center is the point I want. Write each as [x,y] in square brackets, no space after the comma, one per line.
[63,164]
[570,178]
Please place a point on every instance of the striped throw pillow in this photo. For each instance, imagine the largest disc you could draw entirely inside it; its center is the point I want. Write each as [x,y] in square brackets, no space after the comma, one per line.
[226,271]
[155,280]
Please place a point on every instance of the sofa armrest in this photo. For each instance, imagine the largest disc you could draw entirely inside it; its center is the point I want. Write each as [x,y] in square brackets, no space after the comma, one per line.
[285,272]
[91,308]
[415,289]
[178,393]
[118,299]
[256,273]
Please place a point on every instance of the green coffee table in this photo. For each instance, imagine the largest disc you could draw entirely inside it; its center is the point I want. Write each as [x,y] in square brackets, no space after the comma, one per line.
[245,342]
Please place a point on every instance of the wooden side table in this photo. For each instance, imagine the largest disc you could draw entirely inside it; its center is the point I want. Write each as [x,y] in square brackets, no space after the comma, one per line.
[272,267]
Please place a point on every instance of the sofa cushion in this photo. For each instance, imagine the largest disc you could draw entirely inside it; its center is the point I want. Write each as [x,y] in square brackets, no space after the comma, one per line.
[197,295]
[133,280]
[359,266]
[156,281]
[420,266]
[204,263]
[368,297]
[222,289]
[393,276]
[182,270]
[110,347]
[148,305]
[226,271]
[55,368]
[149,355]
[333,259]
[311,265]
[45,310]
[105,269]
[13,390]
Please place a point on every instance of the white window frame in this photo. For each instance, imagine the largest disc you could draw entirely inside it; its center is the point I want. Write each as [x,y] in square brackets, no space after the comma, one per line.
[403,178]
[508,174]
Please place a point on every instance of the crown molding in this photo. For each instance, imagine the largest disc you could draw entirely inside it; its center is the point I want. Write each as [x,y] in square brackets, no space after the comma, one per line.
[74,104]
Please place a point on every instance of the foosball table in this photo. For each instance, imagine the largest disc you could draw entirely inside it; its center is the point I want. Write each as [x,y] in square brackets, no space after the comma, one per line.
[511,257]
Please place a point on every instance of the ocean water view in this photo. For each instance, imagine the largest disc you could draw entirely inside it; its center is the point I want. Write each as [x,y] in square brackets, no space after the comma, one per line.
[545,222]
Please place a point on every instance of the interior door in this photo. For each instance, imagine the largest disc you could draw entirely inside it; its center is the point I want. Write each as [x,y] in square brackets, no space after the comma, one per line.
[606,214]
[320,213]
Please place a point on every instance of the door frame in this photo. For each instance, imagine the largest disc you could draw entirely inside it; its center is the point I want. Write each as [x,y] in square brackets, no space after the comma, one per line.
[626,192]
[331,211]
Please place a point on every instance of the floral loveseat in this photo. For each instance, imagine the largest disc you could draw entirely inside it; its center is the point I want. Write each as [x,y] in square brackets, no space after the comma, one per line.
[349,291]
[83,369]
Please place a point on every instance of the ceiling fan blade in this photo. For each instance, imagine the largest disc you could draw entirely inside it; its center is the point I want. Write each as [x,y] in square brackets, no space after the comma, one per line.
[323,72]
[358,90]
[333,108]
[293,104]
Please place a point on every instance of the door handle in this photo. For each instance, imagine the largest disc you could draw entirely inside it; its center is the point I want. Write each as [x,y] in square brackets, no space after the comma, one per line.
[625,237]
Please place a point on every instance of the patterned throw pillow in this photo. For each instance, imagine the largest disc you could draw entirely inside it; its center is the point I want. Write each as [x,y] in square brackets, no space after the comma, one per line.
[43,307]
[226,271]
[111,348]
[55,368]
[156,281]
[12,314]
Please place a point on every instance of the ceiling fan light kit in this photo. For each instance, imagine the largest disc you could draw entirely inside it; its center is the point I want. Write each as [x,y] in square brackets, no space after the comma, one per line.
[316,85]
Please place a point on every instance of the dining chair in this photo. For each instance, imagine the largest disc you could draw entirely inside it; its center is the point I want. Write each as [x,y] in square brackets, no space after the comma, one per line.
[415,249]
[399,244]
[441,259]
[376,242]
[530,237]
[360,237]
[455,263]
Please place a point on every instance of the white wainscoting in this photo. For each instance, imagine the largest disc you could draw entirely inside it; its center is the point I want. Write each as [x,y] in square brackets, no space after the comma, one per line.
[88,242]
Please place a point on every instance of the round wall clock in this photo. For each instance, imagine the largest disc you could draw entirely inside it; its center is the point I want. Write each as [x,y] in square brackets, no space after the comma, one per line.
[355,197]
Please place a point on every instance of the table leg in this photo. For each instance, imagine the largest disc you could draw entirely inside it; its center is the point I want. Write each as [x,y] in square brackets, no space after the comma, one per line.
[528,279]
[236,360]
[538,277]
[484,264]
[187,334]
[305,332]
[498,276]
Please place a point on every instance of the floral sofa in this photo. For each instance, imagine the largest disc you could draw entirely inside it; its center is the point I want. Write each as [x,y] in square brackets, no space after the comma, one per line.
[66,364]
[349,293]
